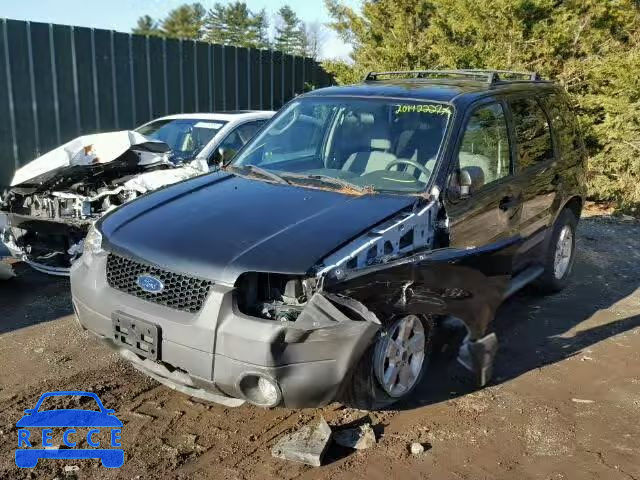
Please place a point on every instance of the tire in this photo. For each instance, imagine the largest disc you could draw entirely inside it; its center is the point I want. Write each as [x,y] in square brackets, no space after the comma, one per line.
[365,388]
[553,280]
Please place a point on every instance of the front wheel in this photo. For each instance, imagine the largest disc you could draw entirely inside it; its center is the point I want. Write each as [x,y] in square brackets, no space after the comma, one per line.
[560,254]
[393,366]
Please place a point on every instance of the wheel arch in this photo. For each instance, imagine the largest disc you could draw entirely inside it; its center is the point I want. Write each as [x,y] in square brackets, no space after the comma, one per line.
[575,204]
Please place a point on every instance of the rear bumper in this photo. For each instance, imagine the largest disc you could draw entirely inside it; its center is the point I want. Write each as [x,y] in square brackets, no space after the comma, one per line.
[208,354]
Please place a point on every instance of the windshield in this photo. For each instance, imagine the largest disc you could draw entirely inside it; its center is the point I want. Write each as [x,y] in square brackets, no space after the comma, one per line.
[374,144]
[185,136]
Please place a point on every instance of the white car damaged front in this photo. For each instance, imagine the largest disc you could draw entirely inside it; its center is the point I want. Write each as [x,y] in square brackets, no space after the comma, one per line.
[54,199]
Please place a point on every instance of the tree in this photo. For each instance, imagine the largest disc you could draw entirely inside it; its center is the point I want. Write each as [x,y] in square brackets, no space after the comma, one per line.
[235,24]
[185,21]
[591,46]
[146,26]
[290,34]
[315,35]
[388,33]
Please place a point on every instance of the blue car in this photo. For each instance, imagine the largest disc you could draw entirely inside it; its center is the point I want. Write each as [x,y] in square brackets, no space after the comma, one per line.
[68,418]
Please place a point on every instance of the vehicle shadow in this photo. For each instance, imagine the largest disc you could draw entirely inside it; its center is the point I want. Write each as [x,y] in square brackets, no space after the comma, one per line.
[32,297]
[535,330]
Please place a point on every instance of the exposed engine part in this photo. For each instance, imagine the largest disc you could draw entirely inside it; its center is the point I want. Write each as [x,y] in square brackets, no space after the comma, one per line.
[58,196]
[282,297]
[273,296]
[68,205]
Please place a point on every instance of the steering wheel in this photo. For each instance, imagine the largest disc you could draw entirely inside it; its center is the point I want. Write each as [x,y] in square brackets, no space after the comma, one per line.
[413,163]
[295,113]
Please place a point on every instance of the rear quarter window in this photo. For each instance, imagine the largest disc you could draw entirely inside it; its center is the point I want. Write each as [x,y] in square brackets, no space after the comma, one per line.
[532,132]
[563,122]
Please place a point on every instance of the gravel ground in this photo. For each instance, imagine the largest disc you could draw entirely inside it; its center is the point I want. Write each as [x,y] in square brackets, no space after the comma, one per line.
[564,403]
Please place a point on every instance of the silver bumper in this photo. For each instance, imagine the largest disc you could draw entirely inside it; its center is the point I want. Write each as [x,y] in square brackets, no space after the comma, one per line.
[214,350]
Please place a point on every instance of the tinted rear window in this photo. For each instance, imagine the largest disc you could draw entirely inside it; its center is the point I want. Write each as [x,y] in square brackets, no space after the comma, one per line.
[563,122]
[533,135]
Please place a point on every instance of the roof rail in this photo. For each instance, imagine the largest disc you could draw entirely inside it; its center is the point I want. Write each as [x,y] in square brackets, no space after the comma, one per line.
[491,77]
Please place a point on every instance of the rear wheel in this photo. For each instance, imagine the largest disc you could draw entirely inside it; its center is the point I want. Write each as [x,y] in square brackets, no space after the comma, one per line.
[560,254]
[393,366]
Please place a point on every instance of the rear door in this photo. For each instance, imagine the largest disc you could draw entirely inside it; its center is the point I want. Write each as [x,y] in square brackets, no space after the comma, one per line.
[491,213]
[535,166]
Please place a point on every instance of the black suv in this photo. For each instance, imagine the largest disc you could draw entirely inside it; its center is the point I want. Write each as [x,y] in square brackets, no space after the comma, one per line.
[319,263]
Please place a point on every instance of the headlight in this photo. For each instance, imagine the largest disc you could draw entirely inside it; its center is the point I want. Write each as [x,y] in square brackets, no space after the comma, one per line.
[93,241]
[92,245]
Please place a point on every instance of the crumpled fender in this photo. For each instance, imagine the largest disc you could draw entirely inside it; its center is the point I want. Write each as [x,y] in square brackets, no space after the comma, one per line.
[468,284]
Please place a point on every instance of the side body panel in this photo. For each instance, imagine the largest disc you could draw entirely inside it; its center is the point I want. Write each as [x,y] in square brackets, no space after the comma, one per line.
[539,178]
[466,283]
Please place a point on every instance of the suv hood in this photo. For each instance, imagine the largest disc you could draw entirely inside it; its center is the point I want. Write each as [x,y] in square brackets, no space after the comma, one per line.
[218,226]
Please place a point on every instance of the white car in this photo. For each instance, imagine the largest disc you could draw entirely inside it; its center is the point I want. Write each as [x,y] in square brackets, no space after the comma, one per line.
[54,199]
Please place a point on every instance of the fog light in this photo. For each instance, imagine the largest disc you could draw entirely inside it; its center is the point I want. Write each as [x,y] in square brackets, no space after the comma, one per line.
[260,390]
[268,390]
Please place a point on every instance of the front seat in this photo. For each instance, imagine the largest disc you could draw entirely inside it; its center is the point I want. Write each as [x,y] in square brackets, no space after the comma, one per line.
[376,159]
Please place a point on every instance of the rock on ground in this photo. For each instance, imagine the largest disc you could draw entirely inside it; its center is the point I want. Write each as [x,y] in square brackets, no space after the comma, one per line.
[306,445]
[417,448]
[360,438]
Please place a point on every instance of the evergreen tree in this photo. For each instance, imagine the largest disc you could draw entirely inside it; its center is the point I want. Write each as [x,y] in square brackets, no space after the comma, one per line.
[185,21]
[235,24]
[263,29]
[146,26]
[290,34]
[590,46]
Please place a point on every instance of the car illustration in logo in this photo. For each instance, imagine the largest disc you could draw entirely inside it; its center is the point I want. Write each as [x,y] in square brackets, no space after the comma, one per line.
[150,284]
[28,453]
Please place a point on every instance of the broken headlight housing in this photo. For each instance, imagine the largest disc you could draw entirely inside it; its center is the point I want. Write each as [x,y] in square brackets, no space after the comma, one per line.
[92,245]
[273,296]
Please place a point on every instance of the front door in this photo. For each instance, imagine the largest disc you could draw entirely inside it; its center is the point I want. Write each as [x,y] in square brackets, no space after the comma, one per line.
[491,212]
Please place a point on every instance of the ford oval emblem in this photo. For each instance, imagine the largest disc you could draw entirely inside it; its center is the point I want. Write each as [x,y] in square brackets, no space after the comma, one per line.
[150,284]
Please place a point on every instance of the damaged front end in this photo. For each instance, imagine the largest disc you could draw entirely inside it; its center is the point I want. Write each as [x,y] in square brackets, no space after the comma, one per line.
[301,339]
[54,199]
[403,267]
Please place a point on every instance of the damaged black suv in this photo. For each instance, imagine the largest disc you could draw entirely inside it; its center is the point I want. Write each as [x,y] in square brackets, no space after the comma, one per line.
[318,265]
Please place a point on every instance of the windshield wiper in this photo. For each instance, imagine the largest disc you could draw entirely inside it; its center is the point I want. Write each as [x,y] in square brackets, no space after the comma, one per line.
[264,173]
[329,179]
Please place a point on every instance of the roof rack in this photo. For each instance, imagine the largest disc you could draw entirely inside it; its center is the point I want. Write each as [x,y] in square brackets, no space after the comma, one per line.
[490,77]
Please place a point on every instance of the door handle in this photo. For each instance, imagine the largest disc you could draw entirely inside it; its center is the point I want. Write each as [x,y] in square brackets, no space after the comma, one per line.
[508,202]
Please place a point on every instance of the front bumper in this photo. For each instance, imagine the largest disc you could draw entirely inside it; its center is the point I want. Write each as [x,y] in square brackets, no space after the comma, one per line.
[208,354]
[25,223]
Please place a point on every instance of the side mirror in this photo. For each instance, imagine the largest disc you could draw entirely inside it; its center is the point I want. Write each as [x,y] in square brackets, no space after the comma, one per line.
[459,186]
[217,158]
[465,182]
[222,155]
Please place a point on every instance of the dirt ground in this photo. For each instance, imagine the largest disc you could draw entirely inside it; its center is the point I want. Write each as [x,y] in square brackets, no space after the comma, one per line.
[564,402]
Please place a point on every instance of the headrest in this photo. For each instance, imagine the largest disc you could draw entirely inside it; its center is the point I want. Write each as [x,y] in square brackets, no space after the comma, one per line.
[366,118]
[380,144]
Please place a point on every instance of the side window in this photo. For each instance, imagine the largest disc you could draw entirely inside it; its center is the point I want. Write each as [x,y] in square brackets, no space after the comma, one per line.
[563,121]
[234,141]
[485,145]
[532,132]
[246,131]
